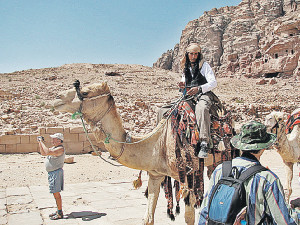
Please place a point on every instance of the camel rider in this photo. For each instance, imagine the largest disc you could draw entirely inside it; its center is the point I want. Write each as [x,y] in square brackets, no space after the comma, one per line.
[198,75]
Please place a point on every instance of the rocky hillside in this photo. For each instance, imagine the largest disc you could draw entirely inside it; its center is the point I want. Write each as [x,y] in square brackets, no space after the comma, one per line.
[26,96]
[257,38]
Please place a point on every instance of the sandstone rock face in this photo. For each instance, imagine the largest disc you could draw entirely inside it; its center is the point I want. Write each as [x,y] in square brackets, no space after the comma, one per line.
[256,38]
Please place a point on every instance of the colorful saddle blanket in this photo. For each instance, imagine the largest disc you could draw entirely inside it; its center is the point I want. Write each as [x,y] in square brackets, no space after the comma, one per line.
[184,123]
[291,122]
[190,167]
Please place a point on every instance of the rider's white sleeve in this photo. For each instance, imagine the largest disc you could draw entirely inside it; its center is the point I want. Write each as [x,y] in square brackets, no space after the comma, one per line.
[208,73]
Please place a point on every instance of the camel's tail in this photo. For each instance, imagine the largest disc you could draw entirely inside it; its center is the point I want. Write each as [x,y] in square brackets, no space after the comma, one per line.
[138,182]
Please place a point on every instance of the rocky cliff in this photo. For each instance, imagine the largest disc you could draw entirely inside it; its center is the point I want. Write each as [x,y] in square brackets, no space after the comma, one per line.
[257,38]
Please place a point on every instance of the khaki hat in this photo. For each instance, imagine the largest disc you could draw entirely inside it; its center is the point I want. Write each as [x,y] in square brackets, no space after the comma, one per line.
[253,136]
[58,136]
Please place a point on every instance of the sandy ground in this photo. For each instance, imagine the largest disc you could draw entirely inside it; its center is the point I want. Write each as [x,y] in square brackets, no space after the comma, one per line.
[18,170]
[29,169]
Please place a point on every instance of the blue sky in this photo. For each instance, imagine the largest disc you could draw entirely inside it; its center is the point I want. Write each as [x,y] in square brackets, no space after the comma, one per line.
[43,33]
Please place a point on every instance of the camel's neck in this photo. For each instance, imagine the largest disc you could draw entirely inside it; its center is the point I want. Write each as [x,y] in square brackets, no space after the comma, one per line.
[281,137]
[108,124]
[143,153]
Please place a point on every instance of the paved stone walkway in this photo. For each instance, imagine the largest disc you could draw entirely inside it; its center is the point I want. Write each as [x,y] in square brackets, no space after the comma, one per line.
[112,202]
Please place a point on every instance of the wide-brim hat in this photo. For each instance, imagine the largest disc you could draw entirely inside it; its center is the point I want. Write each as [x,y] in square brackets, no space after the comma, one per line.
[253,136]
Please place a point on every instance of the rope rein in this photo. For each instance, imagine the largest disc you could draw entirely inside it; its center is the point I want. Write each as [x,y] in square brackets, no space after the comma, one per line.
[108,135]
[174,106]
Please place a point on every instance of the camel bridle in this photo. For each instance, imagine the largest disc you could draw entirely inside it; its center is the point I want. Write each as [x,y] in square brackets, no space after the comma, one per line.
[278,129]
[108,136]
[81,98]
[79,112]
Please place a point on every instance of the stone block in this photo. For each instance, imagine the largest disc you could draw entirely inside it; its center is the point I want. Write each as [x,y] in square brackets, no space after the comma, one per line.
[66,130]
[25,148]
[82,137]
[2,148]
[77,130]
[10,148]
[10,139]
[42,130]
[68,137]
[25,139]
[53,130]
[33,138]
[74,148]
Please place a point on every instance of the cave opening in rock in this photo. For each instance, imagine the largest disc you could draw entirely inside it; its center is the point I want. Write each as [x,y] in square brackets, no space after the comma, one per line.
[271,75]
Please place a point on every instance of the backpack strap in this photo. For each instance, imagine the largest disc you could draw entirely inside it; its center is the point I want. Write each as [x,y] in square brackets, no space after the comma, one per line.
[251,171]
[226,168]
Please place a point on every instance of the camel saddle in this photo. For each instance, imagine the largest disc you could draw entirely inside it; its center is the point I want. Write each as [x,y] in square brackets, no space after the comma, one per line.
[186,134]
[292,120]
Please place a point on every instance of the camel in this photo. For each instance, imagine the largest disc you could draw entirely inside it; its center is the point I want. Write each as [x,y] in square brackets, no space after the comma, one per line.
[149,152]
[288,145]
[97,107]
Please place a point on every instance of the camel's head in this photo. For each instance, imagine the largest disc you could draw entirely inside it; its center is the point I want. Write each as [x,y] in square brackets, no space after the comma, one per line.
[68,101]
[273,119]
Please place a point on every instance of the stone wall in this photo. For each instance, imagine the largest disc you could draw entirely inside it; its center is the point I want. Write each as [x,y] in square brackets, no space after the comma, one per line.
[75,141]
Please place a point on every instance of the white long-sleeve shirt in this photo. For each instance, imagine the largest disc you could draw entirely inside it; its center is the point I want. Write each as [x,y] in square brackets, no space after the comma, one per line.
[208,73]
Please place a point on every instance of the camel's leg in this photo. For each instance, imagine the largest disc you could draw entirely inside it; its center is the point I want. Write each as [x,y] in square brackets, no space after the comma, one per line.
[189,215]
[289,176]
[153,193]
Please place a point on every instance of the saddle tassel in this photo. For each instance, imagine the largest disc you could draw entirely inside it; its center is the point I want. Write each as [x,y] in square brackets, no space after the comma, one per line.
[221,146]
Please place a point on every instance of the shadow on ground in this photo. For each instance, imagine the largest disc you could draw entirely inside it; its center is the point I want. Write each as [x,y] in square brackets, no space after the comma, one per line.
[85,215]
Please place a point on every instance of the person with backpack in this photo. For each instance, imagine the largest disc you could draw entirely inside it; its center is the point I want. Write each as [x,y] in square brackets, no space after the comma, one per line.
[244,185]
